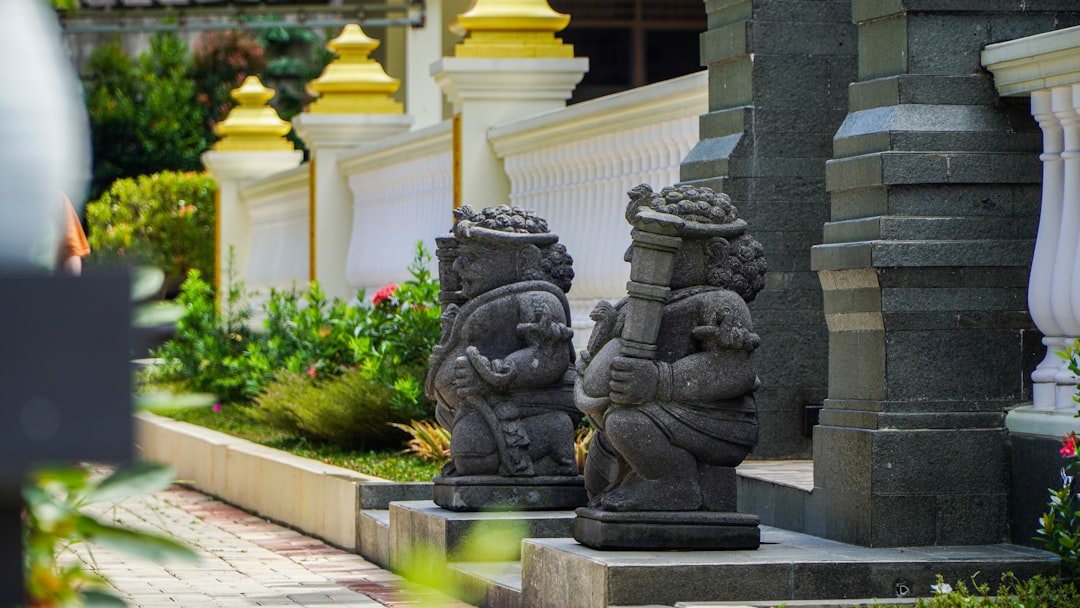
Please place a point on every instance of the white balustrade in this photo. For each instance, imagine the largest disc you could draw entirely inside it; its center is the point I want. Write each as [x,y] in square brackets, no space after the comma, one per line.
[1044,67]
[402,193]
[1065,289]
[278,206]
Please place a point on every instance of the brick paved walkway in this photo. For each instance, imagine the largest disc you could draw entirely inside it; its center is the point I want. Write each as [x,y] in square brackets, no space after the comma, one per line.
[246,561]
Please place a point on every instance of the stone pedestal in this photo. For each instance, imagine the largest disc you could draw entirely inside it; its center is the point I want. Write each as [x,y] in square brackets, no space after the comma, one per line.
[659,530]
[327,136]
[497,493]
[486,91]
[924,268]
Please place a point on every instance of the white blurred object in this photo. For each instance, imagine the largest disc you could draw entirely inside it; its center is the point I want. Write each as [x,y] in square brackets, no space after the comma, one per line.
[44,135]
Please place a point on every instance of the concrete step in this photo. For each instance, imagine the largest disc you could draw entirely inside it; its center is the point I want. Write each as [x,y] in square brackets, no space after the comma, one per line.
[488,584]
[788,567]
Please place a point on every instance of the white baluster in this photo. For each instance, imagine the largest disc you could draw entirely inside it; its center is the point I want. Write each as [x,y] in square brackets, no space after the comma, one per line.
[1046,245]
[1061,292]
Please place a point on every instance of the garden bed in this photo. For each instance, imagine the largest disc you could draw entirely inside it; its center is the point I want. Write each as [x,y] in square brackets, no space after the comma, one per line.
[321,499]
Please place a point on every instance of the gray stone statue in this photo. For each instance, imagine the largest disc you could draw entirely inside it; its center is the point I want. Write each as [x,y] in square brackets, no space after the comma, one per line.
[502,374]
[668,379]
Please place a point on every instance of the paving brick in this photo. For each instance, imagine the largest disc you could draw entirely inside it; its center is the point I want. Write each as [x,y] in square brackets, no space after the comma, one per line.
[246,561]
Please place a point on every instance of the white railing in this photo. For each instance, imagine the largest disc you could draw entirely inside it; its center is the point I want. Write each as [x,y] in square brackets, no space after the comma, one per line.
[278,206]
[1044,68]
[403,193]
[574,167]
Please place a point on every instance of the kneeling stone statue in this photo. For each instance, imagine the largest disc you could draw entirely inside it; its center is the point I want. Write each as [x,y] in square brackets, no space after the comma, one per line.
[668,380]
[502,375]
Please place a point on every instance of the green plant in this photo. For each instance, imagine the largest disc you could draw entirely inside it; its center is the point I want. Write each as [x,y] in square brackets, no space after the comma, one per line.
[211,351]
[1012,592]
[352,410]
[56,519]
[144,115]
[220,61]
[428,441]
[1059,527]
[165,220]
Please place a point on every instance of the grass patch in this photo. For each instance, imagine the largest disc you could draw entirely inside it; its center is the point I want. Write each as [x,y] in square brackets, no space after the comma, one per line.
[234,420]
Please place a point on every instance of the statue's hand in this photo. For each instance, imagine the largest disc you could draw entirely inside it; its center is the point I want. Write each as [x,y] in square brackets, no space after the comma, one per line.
[465,380]
[633,381]
[496,372]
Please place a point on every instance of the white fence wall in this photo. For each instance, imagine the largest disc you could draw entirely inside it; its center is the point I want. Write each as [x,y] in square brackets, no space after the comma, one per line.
[280,237]
[403,193]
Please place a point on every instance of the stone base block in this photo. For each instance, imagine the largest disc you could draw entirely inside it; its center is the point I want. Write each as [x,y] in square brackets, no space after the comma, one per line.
[666,530]
[496,493]
[788,567]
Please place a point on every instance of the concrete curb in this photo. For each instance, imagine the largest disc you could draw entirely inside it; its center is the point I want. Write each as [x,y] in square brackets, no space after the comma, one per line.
[320,499]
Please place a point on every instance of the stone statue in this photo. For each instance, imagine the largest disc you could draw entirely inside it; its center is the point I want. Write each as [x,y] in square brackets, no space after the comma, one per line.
[669,376]
[502,375]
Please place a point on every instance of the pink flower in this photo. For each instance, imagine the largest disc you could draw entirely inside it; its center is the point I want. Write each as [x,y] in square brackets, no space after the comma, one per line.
[217,407]
[383,294]
[311,371]
[1068,445]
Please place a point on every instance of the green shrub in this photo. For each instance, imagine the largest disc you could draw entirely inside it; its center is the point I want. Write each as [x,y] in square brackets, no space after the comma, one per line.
[388,342]
[145,115]
[165,220]
[352,409]
[1036,592]
[211,351]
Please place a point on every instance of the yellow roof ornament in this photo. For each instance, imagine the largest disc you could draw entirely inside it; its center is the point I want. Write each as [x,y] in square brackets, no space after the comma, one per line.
[252,126]
[354,83]
[513,29]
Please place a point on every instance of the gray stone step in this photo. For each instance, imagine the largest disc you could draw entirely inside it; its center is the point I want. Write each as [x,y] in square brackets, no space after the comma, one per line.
[788,567]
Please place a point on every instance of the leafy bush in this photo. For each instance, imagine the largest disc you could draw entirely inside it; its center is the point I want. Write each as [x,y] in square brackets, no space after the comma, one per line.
[1010,593]
[352,409]
[213,352]
[1059,527]
[318,366]
[165,220]
[144,115]
[221,60]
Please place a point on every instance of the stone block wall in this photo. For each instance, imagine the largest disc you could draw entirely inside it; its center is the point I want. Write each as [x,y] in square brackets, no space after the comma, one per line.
[778,76]
[935,187]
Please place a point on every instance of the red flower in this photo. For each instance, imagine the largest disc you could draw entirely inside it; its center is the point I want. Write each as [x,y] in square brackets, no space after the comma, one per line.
[1068,445]
[383,294]
[311,371]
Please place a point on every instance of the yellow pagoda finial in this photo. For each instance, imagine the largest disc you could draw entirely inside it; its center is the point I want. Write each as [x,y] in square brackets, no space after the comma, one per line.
[252,126]
[513,28]
[354,83]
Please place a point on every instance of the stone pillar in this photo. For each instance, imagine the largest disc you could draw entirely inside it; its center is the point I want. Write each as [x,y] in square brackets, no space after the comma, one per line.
[924,268]
[510,66]
[354,107]
[252,146]
[778,76]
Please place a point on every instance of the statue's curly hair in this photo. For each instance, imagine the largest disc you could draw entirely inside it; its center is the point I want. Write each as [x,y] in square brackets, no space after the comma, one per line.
[737,264]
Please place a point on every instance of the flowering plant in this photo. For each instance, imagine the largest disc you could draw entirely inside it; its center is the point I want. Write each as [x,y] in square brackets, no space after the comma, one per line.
[383,294]
[1059,528]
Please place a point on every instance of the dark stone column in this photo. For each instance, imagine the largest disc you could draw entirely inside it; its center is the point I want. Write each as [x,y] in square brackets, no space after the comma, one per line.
[778,76]
[935,195]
